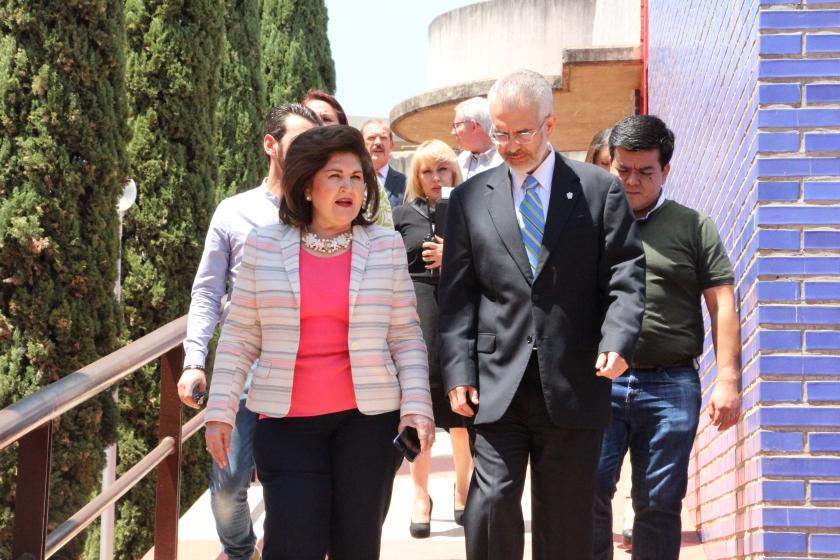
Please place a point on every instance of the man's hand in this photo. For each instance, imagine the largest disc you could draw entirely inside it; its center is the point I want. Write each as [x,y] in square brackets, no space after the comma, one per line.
[610,365]
[217,438]
[190,380]
[725,404]
[425,429]
[458,400]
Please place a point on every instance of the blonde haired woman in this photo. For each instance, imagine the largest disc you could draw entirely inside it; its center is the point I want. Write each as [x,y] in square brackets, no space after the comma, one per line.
[433,167]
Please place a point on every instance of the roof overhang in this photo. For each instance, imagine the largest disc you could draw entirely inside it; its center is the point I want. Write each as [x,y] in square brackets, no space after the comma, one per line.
[597,87]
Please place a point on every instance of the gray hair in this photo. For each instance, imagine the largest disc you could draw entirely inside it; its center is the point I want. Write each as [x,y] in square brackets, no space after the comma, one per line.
[523,88]
[380,122]
[476,109]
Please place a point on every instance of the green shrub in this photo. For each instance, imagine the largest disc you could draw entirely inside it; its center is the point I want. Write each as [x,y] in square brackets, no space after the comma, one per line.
[172,75]
[240,109]
[295,49]
[62,154]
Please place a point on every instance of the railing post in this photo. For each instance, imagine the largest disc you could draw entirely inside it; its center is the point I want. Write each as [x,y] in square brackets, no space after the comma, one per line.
[32,494]
[167,507]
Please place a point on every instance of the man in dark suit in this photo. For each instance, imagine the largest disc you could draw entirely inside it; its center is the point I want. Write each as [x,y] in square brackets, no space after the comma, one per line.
[541,301]
[380,142]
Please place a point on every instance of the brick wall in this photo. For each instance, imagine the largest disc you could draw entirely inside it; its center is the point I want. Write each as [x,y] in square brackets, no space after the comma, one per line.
[752,90]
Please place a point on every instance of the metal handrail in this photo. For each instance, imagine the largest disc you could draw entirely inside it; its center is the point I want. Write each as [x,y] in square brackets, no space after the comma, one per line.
[62,534]
[33,411]
[65,532]
[29,423]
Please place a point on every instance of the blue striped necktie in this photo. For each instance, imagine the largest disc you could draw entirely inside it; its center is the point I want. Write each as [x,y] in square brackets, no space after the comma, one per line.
[533,221]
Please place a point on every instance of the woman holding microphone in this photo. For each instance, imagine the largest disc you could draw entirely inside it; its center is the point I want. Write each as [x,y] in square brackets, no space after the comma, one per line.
[325,306]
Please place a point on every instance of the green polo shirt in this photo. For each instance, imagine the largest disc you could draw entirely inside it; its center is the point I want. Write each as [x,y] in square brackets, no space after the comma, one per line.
[684,256]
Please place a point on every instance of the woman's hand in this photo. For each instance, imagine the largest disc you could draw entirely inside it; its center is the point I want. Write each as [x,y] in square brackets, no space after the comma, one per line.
[217,436]
[425,429]
[433,253]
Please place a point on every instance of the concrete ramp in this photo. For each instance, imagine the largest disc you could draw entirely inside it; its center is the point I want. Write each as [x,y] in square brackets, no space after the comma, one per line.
[198,539]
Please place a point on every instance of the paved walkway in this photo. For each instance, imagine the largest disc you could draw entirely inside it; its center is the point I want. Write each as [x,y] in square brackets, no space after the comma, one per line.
[198,536]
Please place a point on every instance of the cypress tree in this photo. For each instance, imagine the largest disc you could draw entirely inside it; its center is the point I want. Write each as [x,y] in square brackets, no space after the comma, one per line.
[295,49]
[62,153]
[174,53]
[241,99]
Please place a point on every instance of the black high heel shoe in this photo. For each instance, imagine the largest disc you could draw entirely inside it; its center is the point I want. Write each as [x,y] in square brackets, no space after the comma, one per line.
[457,514]
[627,539]
[459,517]
[422,530]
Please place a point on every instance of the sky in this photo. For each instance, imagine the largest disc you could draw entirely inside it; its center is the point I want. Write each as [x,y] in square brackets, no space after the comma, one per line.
[379,48]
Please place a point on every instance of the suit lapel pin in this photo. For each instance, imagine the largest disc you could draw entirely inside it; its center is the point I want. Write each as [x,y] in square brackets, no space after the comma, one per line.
[569,195]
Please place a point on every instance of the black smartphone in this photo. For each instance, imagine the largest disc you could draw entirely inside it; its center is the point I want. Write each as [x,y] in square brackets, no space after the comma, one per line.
[408,442]
[440,216]
[430,238]
[199,396]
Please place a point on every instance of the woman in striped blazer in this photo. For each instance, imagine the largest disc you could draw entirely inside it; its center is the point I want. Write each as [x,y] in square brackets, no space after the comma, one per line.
[324,311]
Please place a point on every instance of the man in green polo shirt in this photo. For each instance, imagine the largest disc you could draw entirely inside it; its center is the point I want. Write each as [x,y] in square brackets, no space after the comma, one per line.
[656,403]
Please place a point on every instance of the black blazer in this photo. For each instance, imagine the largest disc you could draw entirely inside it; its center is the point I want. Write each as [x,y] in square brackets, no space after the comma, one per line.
[414,222]
[587,295]
[395,186]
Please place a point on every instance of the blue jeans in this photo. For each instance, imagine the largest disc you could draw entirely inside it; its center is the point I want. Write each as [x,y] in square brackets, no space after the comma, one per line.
[655,415]
[229,489]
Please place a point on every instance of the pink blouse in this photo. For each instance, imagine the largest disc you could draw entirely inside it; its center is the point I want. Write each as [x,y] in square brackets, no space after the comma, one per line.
[322,380]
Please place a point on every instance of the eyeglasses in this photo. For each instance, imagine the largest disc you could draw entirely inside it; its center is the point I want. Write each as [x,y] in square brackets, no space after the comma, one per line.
[521,137]
[456,123]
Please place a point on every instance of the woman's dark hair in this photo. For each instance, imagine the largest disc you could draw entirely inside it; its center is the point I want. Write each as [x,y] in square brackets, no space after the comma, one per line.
[643,132]
[308,154]
[317,94]
[601,141]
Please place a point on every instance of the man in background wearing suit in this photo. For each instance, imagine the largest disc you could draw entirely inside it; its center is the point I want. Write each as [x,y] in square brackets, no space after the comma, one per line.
[541,301]
[380,142]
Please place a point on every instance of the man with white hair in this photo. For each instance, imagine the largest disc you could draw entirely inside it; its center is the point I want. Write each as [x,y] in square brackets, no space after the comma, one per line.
[471,129]
[541,300]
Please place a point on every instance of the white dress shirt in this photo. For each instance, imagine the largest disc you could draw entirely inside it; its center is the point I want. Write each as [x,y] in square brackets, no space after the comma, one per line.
[659,202]
[383,173]
[473,164]
[543,174]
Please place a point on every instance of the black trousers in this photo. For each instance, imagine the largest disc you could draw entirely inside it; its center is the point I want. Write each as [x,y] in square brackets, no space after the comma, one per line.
[563,470]
[327,483]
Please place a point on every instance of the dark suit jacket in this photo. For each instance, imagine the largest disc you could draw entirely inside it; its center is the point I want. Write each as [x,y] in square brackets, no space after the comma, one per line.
[395,186]
[587,295]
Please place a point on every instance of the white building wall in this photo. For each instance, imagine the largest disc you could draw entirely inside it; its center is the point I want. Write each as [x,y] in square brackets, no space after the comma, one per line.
[488,39]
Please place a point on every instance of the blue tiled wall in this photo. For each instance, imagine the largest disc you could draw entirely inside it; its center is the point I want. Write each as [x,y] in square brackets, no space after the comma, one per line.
[751,89]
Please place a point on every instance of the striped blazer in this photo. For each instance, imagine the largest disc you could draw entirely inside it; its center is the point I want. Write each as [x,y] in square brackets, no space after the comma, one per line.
[387,353]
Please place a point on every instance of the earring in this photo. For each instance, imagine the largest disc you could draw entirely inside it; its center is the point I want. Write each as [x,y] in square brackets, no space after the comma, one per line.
[308,197]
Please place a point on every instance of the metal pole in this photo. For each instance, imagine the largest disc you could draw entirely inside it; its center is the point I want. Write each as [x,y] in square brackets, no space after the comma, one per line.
[109,473]
[32,499]
[167,505]
[108,518]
